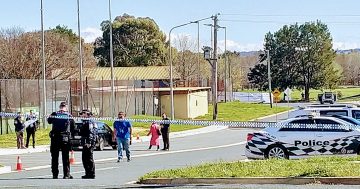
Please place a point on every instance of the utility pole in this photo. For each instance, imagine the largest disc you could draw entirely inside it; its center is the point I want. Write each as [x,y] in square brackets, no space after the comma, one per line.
[43,64]
[112,65]
[269,75]
[80,60]
[215,69]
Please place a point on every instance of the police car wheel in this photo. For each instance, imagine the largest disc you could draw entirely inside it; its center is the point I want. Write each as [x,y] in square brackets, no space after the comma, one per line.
[277,151]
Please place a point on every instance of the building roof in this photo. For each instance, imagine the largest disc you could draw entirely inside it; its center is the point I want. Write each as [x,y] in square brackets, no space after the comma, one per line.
[130,88]
[127,73]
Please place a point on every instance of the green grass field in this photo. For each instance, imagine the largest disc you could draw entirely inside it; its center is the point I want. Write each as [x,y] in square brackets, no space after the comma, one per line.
[296,95]
[231,111]
[310,167]
[236,111]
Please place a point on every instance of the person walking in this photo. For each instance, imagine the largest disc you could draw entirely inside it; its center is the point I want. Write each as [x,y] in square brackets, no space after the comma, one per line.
[165,131]
[88,133]
[60,140]
[155,133]
[31,128]
[19,129]
[122,134]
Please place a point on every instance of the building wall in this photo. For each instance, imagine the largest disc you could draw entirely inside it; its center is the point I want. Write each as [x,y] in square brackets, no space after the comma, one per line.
[180,105]
[186,105]
[198,104]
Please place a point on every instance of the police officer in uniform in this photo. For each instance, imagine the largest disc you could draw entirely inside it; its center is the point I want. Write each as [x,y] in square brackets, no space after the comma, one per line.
[88,133]
[62,124]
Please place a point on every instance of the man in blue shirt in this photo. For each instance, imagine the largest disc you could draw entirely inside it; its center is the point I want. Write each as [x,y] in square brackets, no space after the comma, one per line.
[123,133]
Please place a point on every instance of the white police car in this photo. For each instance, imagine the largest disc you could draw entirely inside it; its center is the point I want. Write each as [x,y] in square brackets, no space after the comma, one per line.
[295,138]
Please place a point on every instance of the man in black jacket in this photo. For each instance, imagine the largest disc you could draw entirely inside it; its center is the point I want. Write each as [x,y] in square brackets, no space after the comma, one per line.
[60,140]
[19,129]
[165,130]
[88,133]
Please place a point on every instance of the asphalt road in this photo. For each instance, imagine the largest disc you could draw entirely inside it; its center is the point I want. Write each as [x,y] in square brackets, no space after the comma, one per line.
[224,145]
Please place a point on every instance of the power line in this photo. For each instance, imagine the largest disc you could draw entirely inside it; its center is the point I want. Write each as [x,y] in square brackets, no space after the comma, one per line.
[293,15]
[283,22]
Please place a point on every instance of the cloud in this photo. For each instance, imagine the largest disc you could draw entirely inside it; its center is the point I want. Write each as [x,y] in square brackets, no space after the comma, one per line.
[235,46]
[90,34]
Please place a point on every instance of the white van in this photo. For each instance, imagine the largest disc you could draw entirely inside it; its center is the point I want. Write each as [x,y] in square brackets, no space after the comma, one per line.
[351,111]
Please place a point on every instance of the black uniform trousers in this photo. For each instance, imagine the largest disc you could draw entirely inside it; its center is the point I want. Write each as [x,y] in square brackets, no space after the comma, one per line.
[165,135]
[57,144]
[88,160]
[30,132]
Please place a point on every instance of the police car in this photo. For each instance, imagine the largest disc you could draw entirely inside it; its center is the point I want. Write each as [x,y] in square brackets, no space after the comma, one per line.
[298,137]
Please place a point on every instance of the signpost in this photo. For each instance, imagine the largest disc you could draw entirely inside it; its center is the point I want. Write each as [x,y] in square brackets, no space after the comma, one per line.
[288,92]
[276,94]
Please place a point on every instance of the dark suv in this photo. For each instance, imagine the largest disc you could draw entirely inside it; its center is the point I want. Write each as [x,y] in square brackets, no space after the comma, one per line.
[105,134]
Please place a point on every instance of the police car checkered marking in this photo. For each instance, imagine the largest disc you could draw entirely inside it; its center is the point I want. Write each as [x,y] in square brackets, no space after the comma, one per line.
[334,147]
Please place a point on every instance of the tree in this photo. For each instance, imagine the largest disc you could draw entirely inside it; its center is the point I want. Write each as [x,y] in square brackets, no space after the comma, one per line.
[20,55]
[301,57]
[66,32]
[136,42]
[186,61]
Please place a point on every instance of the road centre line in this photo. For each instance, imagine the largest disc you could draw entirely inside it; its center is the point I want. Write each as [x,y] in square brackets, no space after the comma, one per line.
[146,155]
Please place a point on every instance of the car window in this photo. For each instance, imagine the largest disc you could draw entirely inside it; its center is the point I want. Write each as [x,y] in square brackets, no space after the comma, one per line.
[100,125]
[333,126]
[300,125]
[334,112]
[356,114]
[326,122]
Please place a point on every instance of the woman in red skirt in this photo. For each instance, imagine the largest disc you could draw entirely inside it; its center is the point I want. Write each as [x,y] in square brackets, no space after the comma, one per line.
[155,133]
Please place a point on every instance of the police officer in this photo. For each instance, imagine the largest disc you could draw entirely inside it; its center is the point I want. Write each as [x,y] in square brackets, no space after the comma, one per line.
[88,133]
[19,129]
[60,140]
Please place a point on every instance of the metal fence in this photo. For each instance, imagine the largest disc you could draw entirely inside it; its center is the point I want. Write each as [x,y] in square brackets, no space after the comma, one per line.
[135,97]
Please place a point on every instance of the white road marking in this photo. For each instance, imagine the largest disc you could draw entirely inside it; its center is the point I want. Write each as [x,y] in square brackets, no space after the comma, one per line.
[146,155]
[76,172]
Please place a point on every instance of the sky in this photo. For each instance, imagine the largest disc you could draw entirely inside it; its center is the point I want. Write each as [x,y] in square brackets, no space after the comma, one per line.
[247,21]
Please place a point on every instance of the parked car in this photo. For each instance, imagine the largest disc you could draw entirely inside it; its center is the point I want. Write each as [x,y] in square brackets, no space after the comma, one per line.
[105,134]
[336,109]
[327,97]
[300,137]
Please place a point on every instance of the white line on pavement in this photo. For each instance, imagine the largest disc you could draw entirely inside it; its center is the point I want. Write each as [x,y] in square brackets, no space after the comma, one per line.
[147,155]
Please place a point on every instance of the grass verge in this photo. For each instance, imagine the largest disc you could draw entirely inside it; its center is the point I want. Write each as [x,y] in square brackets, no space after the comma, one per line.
[9,140]
[310,167]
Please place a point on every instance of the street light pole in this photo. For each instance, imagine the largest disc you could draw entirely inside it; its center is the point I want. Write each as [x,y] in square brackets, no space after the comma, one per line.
[269,75]
[171,66]
[111,64]
[225,69]
[43,62]
[171,72]
[80,60]
[198,58]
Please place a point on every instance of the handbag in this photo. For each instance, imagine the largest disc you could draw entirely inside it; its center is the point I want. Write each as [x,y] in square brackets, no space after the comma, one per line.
[158,131]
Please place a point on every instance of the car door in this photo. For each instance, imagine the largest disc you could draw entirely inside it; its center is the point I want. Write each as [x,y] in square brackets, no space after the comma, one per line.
[296,136]
[334,138]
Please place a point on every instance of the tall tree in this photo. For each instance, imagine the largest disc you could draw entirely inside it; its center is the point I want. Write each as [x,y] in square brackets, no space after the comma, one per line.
[136,42]
[301,57]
